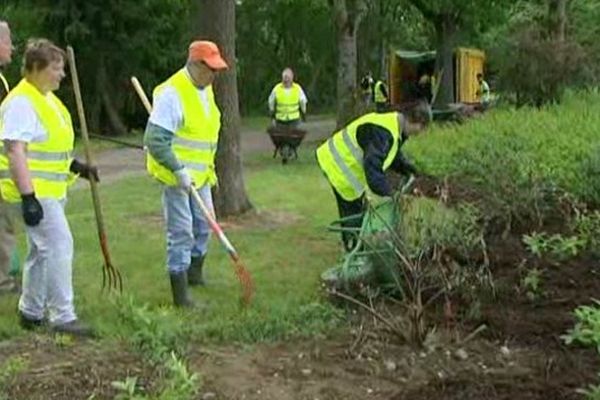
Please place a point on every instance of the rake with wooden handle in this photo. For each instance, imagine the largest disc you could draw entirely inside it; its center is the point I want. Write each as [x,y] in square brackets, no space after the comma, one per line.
[109,272]
[241,271]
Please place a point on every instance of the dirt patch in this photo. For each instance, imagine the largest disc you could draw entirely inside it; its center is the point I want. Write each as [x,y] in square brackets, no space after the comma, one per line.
[344,369]
[78,370]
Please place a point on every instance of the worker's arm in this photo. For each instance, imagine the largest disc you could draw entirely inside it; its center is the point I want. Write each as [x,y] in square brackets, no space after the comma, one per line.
[303,101]
[384,91]
[165,119]
[20,126]
[402,165]
[271,102]
[158,141]
[16,152]
[376,143]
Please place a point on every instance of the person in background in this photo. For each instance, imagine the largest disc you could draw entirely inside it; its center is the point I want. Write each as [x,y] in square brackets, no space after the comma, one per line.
[287,101]
[483,93]
[7,229]
[36,169]
[381,97]
[366,86]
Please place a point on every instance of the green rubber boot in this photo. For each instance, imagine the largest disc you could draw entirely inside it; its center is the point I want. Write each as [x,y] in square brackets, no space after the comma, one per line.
[195,277]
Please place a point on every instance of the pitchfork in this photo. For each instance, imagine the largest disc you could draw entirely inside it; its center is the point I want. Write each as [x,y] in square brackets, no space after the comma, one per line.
[109,272]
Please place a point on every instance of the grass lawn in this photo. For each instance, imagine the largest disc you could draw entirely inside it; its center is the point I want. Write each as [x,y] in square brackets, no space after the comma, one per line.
[285,254]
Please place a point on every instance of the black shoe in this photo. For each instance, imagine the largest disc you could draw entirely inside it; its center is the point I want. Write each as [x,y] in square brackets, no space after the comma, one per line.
[194,273]
[179,288]
[75,328]
[29,324]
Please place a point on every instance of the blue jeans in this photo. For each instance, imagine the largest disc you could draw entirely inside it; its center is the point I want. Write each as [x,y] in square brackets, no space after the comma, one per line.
[187,229]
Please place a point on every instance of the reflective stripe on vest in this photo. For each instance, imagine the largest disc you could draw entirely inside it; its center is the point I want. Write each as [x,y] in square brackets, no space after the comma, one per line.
[47,176]
[195,142]
[48,162]
[348,174]
[287,102]
[341,159]
[379,97]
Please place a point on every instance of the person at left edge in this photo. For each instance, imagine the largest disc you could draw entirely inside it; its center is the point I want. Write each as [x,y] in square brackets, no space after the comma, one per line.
[35,171]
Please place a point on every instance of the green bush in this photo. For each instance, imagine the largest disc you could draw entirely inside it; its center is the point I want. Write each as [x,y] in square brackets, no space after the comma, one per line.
[521,161]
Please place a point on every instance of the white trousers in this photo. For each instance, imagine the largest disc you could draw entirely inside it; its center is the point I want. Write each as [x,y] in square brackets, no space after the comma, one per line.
[47,283]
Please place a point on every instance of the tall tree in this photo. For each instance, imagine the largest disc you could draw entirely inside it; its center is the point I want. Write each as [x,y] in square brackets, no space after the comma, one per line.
[113,40]
[450,19]
[215,21]
[557,16]
[347,15]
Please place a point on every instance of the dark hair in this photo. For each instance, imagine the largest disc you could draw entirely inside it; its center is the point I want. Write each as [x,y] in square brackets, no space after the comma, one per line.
[480,75]
[39,53]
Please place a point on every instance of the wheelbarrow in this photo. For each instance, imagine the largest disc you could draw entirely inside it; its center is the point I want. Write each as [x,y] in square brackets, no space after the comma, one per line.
[357,269]
[286,140]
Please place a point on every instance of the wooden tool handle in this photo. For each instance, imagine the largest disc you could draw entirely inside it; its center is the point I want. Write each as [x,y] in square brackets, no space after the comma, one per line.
[85,139]
[140,91]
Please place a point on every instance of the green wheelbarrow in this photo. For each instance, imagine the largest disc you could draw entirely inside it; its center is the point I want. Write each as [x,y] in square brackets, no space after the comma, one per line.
[359,266]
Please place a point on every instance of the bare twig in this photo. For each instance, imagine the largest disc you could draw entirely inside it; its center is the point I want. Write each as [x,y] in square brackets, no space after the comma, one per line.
[476,332]
[377,315]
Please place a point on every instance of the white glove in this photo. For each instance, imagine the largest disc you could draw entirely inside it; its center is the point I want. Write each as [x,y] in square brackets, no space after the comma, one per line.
[184,179]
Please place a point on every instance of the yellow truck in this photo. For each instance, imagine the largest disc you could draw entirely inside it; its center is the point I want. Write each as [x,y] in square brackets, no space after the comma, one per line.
[411,71]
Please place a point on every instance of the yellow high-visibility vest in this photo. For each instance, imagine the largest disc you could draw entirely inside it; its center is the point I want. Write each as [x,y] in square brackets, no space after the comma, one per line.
[195,142]
[287,102]
[378,96]
[49,161]
[341,157]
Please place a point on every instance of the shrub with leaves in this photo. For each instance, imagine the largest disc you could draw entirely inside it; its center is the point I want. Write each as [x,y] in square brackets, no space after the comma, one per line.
[430,257]
[522,161]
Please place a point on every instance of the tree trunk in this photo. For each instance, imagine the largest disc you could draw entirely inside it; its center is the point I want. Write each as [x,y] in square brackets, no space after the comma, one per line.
[107,97]
[348,15]
[216,22]
[446,30]
[557,16]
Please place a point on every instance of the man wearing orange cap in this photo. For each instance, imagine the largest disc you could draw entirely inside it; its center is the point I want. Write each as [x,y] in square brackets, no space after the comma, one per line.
[181,138]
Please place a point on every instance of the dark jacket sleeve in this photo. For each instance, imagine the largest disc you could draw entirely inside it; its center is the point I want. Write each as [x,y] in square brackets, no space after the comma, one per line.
[376,143]
[402,165]
[384,91]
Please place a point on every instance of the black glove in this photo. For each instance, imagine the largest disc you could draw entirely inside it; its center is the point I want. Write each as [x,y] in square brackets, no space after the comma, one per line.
[84,170]
[32,209]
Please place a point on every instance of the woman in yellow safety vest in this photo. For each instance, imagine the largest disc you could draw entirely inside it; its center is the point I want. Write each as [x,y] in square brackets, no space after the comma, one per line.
[35,170]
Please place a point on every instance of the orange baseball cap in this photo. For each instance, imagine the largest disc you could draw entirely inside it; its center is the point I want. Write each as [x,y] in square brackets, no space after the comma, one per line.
[207,52]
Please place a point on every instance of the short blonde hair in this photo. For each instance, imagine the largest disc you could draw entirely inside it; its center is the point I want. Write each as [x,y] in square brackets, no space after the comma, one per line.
[39,53]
